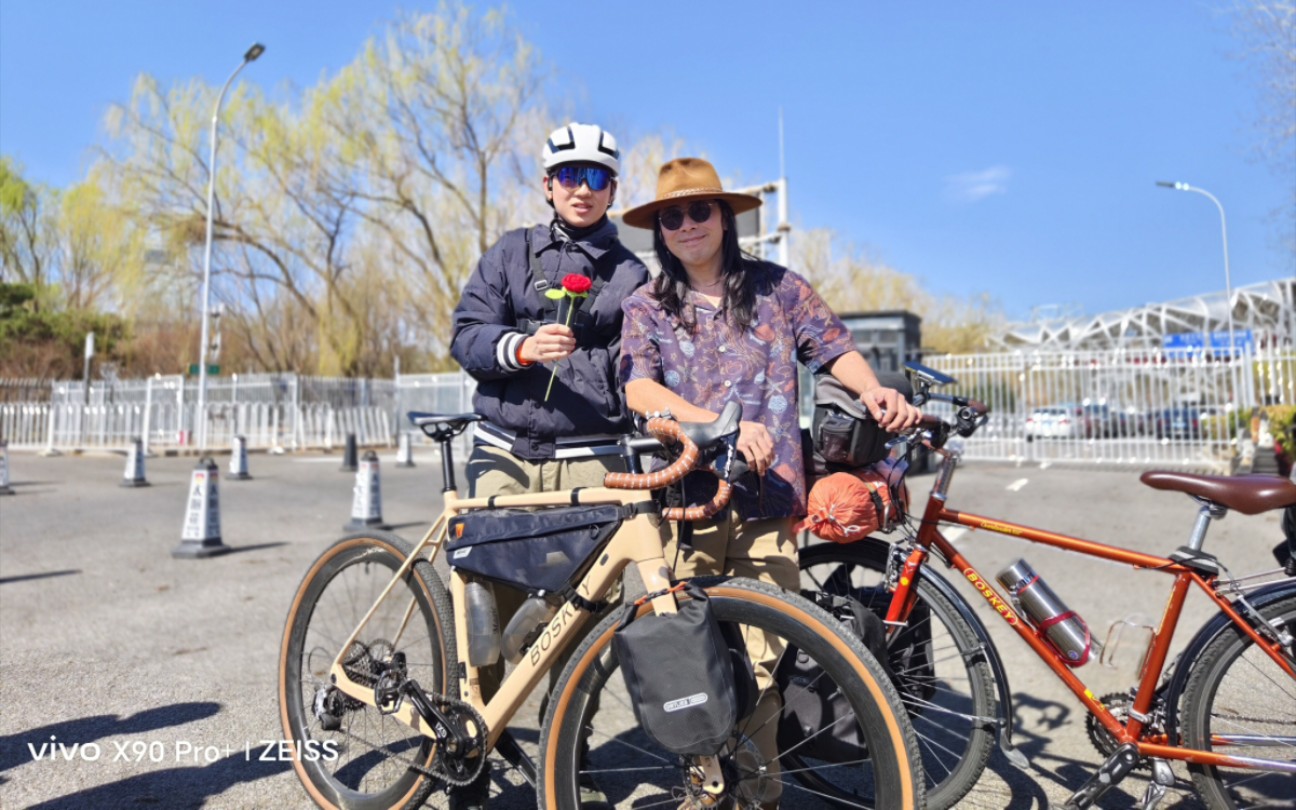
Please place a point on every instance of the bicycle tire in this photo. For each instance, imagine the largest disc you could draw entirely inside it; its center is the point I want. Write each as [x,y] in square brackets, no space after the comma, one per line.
[953,736]
[372,753]
[591,729]
[1236,689]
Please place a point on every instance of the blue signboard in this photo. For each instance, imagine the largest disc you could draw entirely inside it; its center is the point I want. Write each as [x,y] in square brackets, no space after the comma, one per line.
[1218,342]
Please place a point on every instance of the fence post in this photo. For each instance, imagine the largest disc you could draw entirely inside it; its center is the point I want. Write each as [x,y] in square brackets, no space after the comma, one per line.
[297,414]
[148,413]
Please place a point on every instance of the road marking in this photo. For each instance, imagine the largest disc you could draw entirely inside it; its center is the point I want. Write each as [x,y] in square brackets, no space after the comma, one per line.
[1016,486]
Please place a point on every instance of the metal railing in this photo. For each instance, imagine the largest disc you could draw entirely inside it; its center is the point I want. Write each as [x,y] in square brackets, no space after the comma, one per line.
[1140,407]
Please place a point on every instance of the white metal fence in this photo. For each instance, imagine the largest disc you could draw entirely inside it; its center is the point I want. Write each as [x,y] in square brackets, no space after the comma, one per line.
[1143,407]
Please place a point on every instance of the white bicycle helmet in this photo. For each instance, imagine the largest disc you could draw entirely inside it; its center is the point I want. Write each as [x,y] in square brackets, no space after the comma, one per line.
[581,143]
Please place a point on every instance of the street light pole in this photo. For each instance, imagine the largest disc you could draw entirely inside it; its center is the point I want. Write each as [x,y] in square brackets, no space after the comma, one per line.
[1228,282]
[252,53]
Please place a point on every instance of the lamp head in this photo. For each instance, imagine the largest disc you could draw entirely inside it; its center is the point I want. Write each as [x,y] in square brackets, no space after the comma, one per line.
[253,52]
[1175,186]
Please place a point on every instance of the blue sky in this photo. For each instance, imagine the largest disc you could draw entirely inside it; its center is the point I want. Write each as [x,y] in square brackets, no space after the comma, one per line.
[1009,148]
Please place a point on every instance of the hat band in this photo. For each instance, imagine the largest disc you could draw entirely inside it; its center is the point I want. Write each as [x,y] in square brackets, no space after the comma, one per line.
[688,192]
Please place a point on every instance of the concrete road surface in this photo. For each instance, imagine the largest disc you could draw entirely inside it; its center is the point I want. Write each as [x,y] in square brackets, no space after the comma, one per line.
[129,678]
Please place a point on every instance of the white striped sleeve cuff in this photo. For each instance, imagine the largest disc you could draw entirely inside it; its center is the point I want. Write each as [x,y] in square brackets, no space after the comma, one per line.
[506,351]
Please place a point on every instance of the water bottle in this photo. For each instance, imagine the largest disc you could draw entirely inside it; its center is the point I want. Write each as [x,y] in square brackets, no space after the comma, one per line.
[483,624]
[1062,628]
[525,627]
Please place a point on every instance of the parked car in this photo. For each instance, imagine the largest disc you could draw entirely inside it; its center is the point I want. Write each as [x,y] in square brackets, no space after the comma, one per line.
[1179,422]
[1055,422]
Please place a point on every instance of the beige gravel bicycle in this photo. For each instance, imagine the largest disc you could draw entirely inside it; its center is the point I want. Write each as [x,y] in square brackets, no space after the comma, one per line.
[380,691]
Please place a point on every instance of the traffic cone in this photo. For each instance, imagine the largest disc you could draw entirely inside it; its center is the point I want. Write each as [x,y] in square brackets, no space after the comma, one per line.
[238,468]
[349,455]
[133,476]
[405,450]
[5,489]
[202,533]
[366,506]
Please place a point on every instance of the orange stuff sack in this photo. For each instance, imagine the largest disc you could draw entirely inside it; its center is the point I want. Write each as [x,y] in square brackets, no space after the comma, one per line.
[845,507]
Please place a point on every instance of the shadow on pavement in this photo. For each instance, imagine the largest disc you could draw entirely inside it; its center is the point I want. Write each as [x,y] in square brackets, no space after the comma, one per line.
[14,747]
[257,547]
[45,575]
[173,787]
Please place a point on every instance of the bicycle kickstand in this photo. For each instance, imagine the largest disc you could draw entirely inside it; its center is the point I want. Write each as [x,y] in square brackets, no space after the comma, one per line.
[1162,778]
[1109,775]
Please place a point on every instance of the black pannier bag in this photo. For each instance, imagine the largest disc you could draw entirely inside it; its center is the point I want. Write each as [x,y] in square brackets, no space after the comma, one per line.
[531,549]
[817,719]
[690,682]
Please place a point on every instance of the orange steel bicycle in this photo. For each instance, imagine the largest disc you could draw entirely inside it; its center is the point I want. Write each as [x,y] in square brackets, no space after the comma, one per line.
[1226,706]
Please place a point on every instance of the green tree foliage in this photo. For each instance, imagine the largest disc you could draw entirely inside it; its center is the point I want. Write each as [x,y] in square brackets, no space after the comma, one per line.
[345,224]
[47,343]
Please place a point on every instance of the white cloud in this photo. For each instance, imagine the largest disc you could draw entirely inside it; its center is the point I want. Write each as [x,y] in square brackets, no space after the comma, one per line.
[971,187]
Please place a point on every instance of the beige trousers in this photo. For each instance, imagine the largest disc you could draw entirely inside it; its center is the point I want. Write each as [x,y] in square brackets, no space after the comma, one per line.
[763,550]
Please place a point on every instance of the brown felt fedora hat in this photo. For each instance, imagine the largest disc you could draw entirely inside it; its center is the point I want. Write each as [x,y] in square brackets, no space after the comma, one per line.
[682,180]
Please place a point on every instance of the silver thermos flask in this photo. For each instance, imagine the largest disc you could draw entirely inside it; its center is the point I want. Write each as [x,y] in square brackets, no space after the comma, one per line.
[1063,628]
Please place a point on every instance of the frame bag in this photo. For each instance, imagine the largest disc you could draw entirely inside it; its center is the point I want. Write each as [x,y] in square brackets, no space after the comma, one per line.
[688,677]
[531,549]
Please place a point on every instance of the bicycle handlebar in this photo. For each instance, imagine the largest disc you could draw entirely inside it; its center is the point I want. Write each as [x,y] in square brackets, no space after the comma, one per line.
[668,431]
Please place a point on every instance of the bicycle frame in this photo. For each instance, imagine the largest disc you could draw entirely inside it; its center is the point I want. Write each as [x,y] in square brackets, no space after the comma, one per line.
[639,542]
[930,537]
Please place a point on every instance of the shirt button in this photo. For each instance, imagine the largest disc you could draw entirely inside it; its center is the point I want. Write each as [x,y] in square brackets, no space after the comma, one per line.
[728,383]
[723,349]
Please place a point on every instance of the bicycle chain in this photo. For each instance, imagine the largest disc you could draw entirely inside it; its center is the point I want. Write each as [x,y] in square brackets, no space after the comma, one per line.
[1118,704]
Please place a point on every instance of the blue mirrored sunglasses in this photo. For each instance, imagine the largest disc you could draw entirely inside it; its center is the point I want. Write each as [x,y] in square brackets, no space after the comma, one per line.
[570,177]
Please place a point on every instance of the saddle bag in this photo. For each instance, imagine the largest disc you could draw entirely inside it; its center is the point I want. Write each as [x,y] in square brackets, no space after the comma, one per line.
[531,549]
[689,680]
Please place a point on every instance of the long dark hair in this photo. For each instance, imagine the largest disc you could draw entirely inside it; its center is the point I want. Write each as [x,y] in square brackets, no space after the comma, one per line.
[738,269]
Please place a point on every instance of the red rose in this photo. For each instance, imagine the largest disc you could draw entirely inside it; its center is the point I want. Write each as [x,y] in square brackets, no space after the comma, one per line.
[577,284]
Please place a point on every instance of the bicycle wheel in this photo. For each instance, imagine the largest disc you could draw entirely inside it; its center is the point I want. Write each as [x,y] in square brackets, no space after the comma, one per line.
[363,759]
[591,732]
[944,682]
[1238,702]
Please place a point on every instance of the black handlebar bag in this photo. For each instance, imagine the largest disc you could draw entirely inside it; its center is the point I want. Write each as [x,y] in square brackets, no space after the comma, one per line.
[843,434]
[689,678]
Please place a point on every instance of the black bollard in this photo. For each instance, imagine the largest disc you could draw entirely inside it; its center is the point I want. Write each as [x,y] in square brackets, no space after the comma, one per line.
[349,455]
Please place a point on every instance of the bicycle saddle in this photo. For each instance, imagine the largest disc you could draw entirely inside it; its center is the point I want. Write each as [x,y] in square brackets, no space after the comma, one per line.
[705,434]
[442,425]
[1248,494]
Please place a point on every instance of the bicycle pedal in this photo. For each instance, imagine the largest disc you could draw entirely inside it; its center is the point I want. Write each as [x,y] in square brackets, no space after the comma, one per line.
[1109,775]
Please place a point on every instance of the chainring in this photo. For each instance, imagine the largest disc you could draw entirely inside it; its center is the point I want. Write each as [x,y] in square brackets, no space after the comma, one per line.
[461,767]
[1118,703]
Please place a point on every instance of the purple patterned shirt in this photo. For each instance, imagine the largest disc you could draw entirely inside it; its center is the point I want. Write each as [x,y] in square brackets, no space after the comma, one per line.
[756,366]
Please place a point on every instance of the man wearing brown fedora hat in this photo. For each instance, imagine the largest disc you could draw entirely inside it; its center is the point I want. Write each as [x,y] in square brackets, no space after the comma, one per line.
[719,325]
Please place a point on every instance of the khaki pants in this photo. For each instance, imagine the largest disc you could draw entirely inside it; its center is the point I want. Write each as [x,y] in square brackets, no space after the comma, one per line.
[763,550]
[492,471]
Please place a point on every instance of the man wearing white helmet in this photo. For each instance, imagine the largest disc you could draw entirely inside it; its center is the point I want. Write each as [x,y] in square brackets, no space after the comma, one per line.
[511,336]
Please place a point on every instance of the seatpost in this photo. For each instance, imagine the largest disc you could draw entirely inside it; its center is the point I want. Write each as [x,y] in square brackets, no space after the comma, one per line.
[447,461]
[1209,510]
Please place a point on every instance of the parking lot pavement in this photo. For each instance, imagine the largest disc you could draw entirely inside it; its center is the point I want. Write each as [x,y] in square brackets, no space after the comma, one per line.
[130,678]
